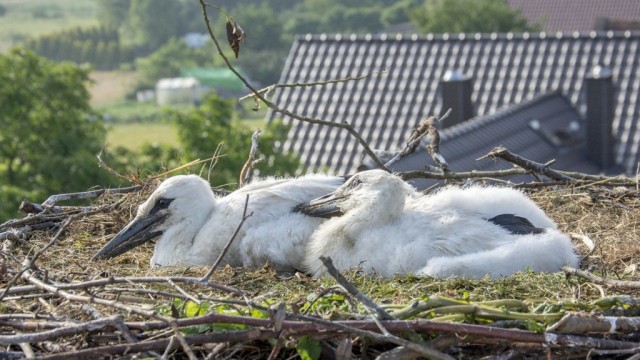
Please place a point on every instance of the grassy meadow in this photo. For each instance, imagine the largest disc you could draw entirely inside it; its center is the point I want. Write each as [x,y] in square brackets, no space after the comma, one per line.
[133,135]
[17,24]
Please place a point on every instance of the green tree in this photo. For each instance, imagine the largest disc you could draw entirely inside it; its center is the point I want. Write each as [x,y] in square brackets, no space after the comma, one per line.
[113,13]
[152,22]
[454,16]
[49,134]
[202,129]
[398,12]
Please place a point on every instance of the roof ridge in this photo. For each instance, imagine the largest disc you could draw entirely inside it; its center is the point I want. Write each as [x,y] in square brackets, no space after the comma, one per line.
[469,36]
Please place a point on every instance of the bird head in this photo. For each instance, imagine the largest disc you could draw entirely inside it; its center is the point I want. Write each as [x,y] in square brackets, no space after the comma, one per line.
[365,189]
[175,205]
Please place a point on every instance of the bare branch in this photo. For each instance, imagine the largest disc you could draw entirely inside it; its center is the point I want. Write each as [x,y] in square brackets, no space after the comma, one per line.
[53,199]
[408,175]
[503,153]
[382,314]
[269,89]
[245,173]
[583,323]
[128,280]
[434,144]
[111,171]
[343,125]
[69,330]
[612,283]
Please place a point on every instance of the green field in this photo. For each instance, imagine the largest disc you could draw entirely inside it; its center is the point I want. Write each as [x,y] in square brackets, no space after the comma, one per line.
[132,136]
[29,18]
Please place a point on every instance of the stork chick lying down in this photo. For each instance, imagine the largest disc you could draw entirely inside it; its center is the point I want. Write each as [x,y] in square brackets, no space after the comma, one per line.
[193,225]
[383,224]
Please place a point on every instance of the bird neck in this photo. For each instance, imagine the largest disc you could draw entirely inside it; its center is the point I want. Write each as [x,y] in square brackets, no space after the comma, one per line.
[178,243]
[381,208]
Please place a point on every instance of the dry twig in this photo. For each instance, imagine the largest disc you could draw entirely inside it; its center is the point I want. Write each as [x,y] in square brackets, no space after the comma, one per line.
[504,154]
[245,173]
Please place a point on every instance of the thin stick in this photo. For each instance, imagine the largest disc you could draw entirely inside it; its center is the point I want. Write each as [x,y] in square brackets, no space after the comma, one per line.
[184,293]
[172,340]
[504,154]
[214,160]
[416,137]
[185,346]
[382,313]
[27,350]
[129,280]
[70,330]
[53,199]
[269,89]
[408,175]
[30,220]
[612,283]
[245,216]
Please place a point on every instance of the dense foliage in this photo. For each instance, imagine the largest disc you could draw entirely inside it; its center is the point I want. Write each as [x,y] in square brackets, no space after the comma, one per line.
[455,16]
[99,46]
[50,135]
[202,129]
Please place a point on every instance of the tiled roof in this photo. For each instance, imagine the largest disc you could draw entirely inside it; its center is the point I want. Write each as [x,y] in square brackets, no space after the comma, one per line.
[572,15]
[506,69]
[541,129]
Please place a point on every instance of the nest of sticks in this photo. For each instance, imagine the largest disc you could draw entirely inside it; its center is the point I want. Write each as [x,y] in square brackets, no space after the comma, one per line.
[56,303]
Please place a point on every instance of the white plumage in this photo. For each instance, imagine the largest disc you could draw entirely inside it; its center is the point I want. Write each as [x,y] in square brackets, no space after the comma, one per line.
[388,228]
[194,225]
[487,202]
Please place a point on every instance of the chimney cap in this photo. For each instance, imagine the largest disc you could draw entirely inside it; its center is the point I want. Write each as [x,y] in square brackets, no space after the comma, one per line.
[599,72]
[454,75]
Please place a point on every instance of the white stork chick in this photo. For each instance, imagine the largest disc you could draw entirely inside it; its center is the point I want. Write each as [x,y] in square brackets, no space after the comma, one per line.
[385,226]
[194,225]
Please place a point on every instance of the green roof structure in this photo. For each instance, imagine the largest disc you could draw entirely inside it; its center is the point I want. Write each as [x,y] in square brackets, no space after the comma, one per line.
[217,78]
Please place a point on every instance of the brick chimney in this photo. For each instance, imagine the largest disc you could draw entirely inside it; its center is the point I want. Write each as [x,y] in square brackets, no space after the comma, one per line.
[456,95]
[600,108]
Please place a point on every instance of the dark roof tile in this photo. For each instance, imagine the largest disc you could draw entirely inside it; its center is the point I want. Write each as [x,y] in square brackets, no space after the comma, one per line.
[506,69]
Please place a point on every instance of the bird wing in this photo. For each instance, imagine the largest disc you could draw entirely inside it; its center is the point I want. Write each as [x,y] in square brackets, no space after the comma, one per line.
[515,224]
[292,191]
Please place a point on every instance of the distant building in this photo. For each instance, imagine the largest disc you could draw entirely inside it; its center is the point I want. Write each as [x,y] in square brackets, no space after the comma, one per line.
[221,80]
[571,97]
[178,91]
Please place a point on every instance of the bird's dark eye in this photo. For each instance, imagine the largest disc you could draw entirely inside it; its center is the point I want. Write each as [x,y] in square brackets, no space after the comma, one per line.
[163,203]
[355,182]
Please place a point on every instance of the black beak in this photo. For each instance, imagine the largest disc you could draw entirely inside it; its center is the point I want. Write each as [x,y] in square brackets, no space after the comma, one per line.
[324,207]
[135,234]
